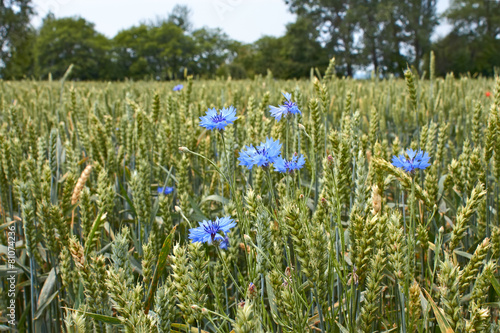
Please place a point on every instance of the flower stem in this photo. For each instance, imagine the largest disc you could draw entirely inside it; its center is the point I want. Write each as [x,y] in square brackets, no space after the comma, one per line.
[286,155]
[236,200]
[224,264]
[274,202]
[411,243]
[228,165]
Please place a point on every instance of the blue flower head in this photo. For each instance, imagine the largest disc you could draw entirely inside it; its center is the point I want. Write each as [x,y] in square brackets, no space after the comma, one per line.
[210,231]
[262,155]
[225,243]
[165,190]
[178,87]
[415,160]
[284,110]
[213,120]
[295,163]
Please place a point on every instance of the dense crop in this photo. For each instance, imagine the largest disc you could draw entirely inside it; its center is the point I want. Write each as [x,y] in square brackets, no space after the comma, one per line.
[104,205]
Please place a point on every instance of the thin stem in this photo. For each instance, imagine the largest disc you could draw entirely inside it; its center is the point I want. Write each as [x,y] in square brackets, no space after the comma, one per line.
[411,243]
[218,315]
[223,150]
[236,200]
[287,134]
[224,264]
[274,201]
[286,155]
[320,312]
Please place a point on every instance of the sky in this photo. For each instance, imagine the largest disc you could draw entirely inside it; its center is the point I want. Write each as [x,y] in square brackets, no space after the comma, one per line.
[243,20]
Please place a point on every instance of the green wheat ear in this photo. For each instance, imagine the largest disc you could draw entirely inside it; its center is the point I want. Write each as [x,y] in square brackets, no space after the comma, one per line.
[75,322]
[410,84]
[198,274]
[477,195]
[165,305]
[449,290]
[369,308]
[482,283]
[182,282]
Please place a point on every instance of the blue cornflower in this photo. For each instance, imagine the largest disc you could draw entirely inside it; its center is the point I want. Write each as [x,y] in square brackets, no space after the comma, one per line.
[284,110]
[295,163]
[416,160]
[213,120]
[209,231]
[178,87]
[263,155]
[225,243]
[165,190]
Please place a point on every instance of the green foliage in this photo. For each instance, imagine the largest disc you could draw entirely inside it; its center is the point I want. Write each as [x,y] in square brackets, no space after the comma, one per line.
[465,54]
[290,56]
[16,38]
[379,24]
[158,52]
[360,34]
[66,41]
[473,45]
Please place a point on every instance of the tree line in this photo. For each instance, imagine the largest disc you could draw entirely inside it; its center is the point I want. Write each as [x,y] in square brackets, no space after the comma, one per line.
[381,35]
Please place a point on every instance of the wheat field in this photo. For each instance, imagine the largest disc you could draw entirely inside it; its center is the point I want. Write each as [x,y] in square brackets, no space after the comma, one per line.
[102,186]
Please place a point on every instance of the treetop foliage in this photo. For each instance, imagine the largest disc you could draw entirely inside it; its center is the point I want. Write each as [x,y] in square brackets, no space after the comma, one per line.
[381,35]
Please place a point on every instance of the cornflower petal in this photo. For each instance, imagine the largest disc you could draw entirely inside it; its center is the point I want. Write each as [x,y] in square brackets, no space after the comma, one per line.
[416,160]
[165,190]
[209,231]
[281,111]
[214,120]
[295,163]
[263,155]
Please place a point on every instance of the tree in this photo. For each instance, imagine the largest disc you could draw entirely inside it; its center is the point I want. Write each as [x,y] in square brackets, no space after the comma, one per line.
[336,25]
[268,55]
[16,38]
[301,49]
[372,22]
[394,38]
[127,56]
[382,34]
[168,51]
[464,54]
[290,56]
[212,48]
[474,43]
[476,18]
[420,23]
[180,17]
[243,58]
[371,32]
[152,51]
[66,41]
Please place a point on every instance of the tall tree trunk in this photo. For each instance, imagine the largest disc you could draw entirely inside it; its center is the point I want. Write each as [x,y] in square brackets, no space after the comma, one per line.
[374,58]
[416,44]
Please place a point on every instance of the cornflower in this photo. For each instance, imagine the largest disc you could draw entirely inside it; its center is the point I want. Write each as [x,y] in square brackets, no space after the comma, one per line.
[416,160]
[263,155]
[213,120]
[284,110]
